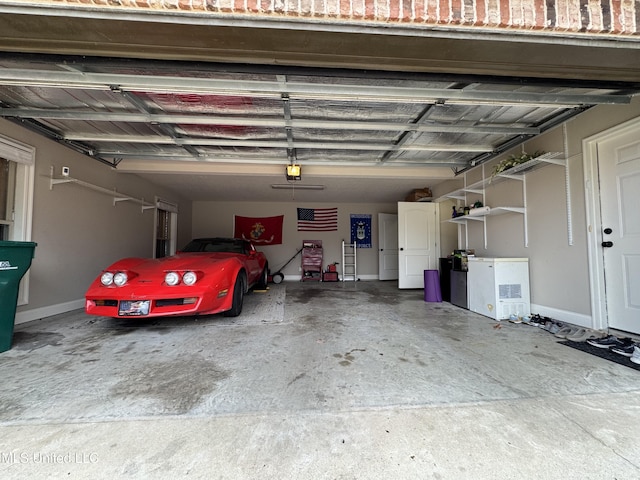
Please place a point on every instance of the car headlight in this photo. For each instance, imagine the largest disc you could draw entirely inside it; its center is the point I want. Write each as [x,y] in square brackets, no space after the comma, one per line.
[106,279]
[172,278]
[189,278]
[120,279]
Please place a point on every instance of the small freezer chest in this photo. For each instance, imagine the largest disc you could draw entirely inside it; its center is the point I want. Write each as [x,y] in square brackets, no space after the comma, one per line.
[498,287]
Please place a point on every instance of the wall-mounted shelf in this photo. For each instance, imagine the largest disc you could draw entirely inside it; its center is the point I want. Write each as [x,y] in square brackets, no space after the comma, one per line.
[117,196]
[502,210]
[489,213]
[514,173]
[464,218]
[517,173]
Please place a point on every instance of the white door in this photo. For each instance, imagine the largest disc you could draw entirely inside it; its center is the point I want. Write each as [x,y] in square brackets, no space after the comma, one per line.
[388,242]
[417,242]
[619,171]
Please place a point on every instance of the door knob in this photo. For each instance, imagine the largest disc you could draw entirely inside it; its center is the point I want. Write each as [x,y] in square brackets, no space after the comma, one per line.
[401,249]
[608,231]
[607,244]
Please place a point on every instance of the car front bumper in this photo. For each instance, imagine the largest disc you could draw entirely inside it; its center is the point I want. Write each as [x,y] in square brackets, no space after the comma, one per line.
[120,303]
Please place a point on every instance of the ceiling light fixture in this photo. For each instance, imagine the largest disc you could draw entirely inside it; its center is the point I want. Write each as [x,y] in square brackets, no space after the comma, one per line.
[293,172]
[293,186]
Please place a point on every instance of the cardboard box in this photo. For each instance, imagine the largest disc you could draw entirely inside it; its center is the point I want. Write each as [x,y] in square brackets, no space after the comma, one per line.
[419,194]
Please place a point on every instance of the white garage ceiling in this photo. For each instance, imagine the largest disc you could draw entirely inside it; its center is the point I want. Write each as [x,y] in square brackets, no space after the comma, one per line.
[218,131]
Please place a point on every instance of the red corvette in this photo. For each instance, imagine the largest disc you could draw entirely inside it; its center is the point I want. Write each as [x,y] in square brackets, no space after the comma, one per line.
[210,275]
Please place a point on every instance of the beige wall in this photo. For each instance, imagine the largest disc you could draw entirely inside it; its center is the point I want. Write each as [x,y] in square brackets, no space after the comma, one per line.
[216,219]
[558,270]
[79,231]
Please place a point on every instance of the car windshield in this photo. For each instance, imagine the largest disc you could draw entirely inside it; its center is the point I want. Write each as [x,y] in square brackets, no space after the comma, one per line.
[228,245]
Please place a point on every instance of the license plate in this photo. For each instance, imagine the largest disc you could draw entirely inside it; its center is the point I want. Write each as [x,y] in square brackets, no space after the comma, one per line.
[134,308]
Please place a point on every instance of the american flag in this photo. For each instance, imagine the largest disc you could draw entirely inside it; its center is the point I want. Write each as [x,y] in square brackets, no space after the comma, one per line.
[317,219]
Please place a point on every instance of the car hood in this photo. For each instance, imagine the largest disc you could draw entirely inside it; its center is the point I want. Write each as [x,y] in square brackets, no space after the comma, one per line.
[183,261]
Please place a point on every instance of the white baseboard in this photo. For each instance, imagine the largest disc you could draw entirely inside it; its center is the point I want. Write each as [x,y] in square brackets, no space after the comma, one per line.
[24,316]
[573,318]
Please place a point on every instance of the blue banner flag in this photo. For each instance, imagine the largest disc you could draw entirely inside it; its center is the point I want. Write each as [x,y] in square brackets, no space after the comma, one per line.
[361,230]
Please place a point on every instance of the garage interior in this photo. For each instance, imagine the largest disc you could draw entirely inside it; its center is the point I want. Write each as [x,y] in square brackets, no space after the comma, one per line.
[328,380]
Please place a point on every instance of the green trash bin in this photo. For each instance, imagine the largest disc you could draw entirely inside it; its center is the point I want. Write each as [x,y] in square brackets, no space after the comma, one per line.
[15,260]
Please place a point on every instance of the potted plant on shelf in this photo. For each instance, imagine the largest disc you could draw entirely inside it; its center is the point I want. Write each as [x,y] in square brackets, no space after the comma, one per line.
[513,160]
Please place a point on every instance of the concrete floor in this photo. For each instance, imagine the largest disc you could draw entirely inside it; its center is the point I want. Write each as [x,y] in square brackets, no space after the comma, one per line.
[313,381]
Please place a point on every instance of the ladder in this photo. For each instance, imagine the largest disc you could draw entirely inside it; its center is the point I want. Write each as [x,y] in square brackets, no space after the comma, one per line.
[349,268]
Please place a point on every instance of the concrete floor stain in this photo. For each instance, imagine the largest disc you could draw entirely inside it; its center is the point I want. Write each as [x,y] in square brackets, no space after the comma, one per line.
[328,295]
[11,409]
[380,299]
[35,340]
[178,385]
[127,349]
[348,358]
[296,378]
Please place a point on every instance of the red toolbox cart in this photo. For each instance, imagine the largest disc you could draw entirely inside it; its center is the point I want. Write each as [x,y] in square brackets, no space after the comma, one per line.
[312,260]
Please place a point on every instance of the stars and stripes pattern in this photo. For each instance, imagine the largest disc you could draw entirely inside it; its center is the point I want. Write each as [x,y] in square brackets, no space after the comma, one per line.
[317,219]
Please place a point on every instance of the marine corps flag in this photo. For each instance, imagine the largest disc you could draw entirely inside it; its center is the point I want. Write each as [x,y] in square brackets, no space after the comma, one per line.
[259,231]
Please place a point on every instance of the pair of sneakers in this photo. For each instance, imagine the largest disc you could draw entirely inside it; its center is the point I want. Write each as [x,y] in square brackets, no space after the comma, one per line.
[621,346]
[632,351]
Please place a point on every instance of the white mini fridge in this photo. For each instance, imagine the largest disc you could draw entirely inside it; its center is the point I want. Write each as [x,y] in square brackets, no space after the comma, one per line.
[498,287]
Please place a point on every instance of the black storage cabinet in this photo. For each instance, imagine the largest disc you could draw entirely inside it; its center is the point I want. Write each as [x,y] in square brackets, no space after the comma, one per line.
[446,264]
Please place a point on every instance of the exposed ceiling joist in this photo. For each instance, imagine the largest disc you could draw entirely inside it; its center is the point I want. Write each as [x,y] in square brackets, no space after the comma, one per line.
[217,159]
[304,90]
[167,140]
[199,119]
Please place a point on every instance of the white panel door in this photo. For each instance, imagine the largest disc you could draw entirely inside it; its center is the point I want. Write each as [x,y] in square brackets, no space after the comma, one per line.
[417,242]
[619,170]
[388,242]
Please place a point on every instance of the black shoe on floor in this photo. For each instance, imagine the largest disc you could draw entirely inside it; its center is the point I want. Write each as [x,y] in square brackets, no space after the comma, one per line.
[627,350]
[609,341]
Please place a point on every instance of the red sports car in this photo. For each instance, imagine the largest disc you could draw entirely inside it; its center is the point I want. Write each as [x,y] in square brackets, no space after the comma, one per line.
[209,275]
